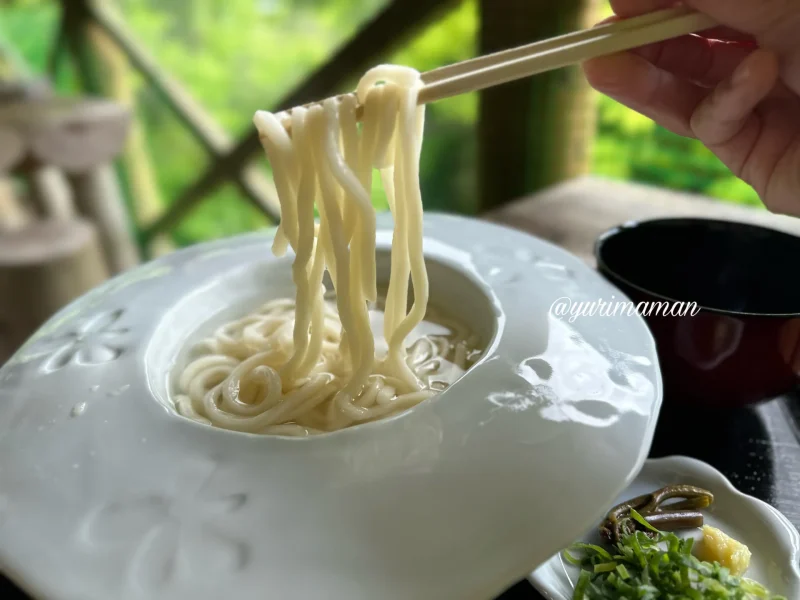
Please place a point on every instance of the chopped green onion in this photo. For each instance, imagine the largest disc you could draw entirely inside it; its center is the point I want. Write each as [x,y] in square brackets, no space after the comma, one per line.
[605,567]
[642,566]
[599,550]
[641,520]
[571,559]
[580,588]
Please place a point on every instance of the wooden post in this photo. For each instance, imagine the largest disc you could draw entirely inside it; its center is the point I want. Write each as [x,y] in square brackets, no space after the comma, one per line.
[97,196]
[43,266]
[146,202]
[534,132]
[74,30]
[57,49]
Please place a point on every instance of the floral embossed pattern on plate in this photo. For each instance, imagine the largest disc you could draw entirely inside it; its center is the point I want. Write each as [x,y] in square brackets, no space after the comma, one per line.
[164,535]
[93,340]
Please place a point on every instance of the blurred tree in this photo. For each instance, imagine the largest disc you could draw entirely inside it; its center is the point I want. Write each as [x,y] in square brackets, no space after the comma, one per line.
[237,57]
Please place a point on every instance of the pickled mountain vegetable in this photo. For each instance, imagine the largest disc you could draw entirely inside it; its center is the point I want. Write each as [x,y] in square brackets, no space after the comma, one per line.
[681,514]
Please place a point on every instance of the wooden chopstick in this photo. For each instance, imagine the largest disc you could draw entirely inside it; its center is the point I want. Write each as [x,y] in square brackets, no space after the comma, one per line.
[465,66]
[547,55]
[518,63]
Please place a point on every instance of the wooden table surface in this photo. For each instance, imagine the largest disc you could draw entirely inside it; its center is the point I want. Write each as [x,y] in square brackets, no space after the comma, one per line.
[573,214]
[758,449]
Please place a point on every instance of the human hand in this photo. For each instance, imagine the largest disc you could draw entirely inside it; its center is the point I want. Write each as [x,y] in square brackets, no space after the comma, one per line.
[736,88]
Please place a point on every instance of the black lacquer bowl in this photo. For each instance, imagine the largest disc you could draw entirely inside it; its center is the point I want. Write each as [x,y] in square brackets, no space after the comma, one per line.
[742,344]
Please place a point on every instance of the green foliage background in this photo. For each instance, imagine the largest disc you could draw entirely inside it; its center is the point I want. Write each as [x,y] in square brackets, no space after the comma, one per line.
[237,56]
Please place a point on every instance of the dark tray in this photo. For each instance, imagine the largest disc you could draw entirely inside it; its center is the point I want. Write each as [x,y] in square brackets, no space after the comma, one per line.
[758,449]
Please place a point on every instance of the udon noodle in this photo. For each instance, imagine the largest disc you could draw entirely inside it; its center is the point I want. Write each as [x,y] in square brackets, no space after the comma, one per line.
[323,361]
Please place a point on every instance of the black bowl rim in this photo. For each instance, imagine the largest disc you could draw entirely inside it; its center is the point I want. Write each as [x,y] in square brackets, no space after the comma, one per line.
[633,224]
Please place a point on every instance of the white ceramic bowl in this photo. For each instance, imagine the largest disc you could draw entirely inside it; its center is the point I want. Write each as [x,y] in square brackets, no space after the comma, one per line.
[107,493]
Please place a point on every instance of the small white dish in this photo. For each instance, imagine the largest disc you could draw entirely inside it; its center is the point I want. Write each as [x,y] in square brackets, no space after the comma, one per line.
[106,492]
[772,539]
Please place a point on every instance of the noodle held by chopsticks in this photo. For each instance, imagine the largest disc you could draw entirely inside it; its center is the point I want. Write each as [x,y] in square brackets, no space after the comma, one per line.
[310,365]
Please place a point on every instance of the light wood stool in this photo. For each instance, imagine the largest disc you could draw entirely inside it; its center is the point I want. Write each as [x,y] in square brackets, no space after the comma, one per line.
[44,266]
